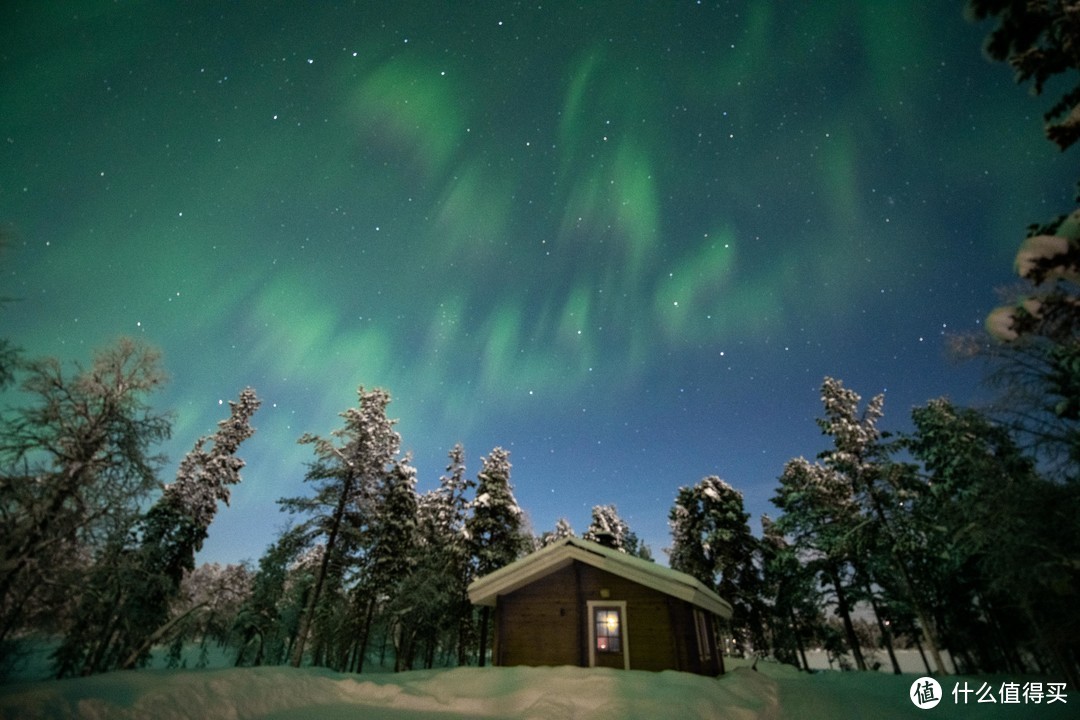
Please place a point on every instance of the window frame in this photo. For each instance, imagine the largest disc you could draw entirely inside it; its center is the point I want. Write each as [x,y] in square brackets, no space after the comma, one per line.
[592,606]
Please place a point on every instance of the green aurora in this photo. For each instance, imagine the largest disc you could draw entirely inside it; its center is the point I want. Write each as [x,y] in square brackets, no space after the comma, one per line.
[624,241]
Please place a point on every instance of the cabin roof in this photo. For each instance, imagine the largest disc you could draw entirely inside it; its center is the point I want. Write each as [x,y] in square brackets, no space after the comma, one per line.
[532,567]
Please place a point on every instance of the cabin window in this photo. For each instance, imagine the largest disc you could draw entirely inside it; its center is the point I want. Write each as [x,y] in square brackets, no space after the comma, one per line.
[608,631]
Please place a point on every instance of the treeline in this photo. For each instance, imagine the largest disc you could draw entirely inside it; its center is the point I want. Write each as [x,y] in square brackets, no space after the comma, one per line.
[372,568]
[99,557]
[959,535]
[948,538]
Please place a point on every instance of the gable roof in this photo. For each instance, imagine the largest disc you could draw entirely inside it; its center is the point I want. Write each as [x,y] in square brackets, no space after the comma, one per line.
[560,554]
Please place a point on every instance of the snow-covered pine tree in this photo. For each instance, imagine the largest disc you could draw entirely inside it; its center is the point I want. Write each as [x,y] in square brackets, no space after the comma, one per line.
[495,527]
[496,524]
[391,556]
[444,561]
[345,476]
[144,581]
[562,530]
[607,528]
[176,526]
[819,514]
[860,459]
[712,542]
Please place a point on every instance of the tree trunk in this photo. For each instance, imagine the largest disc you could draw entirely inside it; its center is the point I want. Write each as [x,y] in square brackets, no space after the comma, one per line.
[485,611]
[928,628]
[886,636]
[798,638]
[845,616]
[150,640]
[925,662]
[464,620]
[313,601]
[362,650]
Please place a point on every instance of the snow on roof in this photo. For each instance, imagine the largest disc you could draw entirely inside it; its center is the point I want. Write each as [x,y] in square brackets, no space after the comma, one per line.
[532,567]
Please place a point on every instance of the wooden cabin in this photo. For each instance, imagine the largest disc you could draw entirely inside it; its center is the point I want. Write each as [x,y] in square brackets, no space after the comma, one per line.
[576,602]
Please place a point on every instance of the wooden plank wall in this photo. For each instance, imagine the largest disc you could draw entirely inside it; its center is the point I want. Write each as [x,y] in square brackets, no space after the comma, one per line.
[539,624]
[545,624]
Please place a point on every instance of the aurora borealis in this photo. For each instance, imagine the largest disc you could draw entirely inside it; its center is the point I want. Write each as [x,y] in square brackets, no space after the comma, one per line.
[625,241]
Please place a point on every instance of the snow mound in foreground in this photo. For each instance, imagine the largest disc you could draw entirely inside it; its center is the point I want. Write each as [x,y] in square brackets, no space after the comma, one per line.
[283,693]
[518,693]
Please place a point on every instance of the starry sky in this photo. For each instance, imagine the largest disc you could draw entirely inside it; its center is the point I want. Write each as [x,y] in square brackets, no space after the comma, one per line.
[624,240]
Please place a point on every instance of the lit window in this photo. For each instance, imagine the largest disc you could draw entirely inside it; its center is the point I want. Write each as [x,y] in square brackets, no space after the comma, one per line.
[608,636]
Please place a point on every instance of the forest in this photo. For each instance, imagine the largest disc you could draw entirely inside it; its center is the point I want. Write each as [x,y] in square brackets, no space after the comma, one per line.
[957,536]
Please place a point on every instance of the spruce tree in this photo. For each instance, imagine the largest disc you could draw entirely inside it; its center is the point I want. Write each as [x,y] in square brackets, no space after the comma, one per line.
[447,550]
[712,542]
[1004,540]
[346,475]
[562,530]
[819,515]
[495,527]
[126,608]
[391,557]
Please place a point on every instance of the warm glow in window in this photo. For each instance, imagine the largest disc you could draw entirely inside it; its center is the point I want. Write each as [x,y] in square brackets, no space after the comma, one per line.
[608,637]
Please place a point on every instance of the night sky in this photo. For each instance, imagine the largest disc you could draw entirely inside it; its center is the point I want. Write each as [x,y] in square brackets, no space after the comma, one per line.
[625,241]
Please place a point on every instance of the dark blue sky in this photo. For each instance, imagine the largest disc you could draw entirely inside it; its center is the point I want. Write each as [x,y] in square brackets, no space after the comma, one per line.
[624,241]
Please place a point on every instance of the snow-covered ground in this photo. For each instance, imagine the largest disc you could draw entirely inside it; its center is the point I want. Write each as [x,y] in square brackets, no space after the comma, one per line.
[771,692]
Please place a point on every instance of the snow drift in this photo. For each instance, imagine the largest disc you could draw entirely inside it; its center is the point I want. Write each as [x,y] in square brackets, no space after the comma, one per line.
[545,693]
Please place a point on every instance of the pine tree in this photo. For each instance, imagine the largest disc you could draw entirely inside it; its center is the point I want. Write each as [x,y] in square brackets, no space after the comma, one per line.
[126,609]
[346,477]
[392,557]
[793,587]
[1038,39]
[562,530]
[860,458]
[176,526]
[608,528]
[712,542]
[446,551]
[269,614]
[847,512]
[819,514]
[1003,538]
[495,527]
[1035,352]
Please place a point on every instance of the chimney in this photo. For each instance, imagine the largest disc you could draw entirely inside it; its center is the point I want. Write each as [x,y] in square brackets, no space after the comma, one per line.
[605,538]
